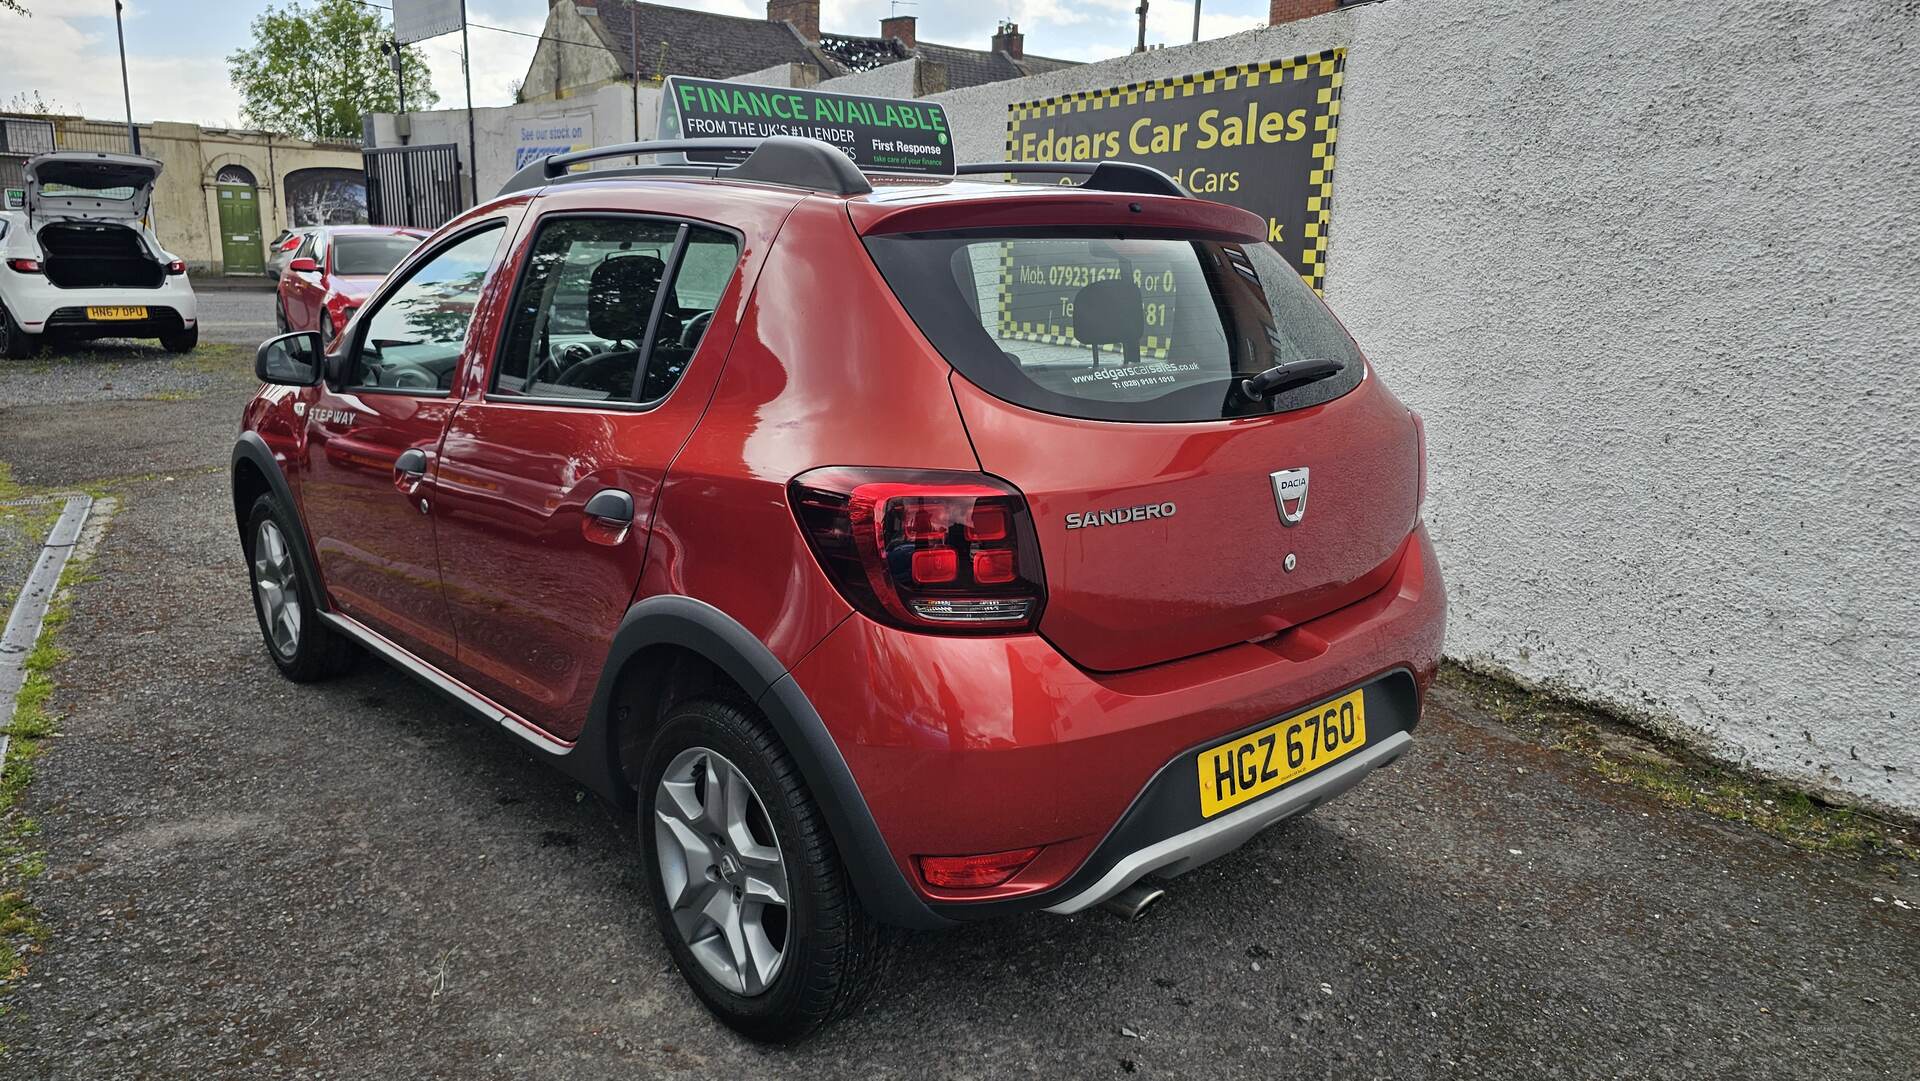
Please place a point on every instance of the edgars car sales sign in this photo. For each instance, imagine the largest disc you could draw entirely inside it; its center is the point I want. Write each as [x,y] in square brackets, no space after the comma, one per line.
[888,135]
[1258,136]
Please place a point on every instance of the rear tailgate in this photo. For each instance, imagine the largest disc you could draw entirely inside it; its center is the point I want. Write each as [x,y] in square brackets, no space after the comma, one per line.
[1209,568]
[1102,346]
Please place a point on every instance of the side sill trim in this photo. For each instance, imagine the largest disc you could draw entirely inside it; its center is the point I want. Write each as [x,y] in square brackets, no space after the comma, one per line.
[1185,851]
[445,684]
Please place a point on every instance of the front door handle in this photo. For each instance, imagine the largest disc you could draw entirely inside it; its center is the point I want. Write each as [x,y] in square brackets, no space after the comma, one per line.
[612,506]
[409,470]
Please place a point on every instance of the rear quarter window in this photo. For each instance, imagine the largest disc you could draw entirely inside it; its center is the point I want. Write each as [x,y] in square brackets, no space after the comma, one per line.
[1113,327]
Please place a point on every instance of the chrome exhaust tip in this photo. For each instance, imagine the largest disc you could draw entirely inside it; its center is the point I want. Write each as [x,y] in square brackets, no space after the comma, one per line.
[1132,903]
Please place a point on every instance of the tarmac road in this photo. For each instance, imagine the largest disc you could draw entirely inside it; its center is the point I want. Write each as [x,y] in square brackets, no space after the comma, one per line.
[250,879]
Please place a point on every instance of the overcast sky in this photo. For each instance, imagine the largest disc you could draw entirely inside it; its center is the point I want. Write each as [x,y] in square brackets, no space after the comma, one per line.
[177,49]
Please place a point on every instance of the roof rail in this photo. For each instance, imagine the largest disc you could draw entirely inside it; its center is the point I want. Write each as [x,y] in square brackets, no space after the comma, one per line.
[777,159]
[1123,176]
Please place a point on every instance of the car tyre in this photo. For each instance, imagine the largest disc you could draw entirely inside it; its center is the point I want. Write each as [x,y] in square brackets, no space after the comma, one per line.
[304,648]
[765,832]
[15,342]
[181,342]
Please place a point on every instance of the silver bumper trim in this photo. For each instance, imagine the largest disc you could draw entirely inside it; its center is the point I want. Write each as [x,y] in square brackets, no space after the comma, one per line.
[1185,851]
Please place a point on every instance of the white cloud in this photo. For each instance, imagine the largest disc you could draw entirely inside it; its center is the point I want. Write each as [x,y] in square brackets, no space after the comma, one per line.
[79,70]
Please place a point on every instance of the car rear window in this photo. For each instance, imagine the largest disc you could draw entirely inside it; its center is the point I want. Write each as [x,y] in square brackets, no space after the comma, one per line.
[1114,327]
[119,192]
[370,255]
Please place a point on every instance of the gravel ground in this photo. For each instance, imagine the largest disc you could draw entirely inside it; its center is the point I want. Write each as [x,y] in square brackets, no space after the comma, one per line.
[253,879]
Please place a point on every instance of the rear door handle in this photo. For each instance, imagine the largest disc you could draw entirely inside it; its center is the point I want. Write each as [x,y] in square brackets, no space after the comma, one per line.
[611,505]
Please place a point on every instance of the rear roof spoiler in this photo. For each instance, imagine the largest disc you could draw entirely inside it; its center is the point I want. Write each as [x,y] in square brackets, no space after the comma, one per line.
[1118,176]
[814,165]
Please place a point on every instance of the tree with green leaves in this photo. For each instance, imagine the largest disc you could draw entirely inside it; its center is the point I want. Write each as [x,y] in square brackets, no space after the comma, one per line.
[313,70]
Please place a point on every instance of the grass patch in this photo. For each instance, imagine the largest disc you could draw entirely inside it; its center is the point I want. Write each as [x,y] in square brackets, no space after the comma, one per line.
[1625,752]
[21,932]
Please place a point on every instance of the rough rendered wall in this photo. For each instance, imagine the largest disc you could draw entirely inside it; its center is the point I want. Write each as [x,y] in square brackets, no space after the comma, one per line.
[1652,273]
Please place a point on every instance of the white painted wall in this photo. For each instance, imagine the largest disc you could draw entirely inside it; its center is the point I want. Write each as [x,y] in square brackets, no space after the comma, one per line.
[1652,273]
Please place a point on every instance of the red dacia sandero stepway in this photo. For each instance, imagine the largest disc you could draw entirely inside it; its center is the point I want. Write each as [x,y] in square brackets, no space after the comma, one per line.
[902,555]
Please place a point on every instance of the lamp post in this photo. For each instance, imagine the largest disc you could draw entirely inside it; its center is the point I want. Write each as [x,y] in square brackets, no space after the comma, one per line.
[126,91]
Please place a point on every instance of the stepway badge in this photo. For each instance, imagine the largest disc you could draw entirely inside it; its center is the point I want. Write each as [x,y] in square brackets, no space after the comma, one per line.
[881,135]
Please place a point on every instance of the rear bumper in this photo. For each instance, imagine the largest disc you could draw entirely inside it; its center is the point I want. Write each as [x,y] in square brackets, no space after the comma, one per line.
[963,746]
[36,304]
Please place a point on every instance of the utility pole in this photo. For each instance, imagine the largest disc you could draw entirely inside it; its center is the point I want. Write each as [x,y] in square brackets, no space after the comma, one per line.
[402,125]
[126,91]
[473,145]
[1142,12]
[1196,20]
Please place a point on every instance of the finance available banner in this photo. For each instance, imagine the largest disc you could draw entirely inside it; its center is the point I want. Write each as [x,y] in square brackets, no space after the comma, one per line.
[887,135]
[1258,136]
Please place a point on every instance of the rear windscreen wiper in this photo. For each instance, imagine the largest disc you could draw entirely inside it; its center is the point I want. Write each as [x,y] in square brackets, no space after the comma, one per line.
[1294,373]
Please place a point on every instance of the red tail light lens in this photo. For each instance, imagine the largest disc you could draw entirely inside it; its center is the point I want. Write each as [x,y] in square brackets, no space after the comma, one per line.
[177,267]
[25,266]
[925,550]
[975,872]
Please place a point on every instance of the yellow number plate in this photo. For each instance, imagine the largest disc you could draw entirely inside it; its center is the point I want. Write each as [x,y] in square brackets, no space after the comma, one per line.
[1258,763]
[106,314]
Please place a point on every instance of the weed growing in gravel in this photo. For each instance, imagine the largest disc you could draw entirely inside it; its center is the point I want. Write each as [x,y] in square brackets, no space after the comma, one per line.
[21,932]
[1625,752]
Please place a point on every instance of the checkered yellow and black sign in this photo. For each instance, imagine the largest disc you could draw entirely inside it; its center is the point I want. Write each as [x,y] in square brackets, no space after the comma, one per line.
[1260,136]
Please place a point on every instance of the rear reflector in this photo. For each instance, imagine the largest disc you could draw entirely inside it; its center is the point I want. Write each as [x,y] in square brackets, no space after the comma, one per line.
[975,872]
[1420,448]
[177,267]
[926,550]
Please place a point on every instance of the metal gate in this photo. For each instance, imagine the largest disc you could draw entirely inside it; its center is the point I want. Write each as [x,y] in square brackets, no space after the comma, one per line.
[417,186]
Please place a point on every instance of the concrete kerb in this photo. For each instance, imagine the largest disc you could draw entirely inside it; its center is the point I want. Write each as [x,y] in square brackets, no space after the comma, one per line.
[30,609]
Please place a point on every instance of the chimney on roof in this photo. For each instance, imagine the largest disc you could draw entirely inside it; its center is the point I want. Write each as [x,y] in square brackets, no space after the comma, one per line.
[898,26]
[1009,40]
[803,14]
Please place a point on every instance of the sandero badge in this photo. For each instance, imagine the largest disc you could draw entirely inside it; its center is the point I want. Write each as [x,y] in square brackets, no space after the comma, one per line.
[1119,516]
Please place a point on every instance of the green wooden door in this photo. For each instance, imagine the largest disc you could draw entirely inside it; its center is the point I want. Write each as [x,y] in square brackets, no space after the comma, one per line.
[240,229]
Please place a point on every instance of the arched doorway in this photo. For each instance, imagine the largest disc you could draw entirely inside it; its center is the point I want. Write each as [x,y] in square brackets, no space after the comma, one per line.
[238,195]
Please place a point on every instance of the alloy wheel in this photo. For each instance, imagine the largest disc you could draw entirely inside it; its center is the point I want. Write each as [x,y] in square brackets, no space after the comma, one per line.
[276,588]
[722,870]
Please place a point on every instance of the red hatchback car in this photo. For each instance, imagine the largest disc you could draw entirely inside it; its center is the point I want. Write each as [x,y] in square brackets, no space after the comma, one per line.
[900,555]
[334,270]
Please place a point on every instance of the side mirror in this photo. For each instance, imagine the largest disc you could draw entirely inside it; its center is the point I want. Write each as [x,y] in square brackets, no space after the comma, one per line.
[291,360]
[304,265]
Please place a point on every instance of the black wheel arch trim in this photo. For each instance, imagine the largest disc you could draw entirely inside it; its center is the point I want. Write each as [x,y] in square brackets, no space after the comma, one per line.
[253,450]
[700,627]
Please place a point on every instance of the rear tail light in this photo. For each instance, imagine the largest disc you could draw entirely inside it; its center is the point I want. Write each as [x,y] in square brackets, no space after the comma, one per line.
[1420,448]
[25,266]
[177,267]
[925,550]
[975,872]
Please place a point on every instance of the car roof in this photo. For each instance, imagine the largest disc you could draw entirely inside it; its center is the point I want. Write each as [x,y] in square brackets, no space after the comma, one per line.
[368,230]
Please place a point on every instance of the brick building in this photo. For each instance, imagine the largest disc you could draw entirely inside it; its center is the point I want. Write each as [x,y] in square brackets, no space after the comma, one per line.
[593,43]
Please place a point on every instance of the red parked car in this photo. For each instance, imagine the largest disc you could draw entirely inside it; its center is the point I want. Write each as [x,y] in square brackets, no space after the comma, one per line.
[900,556]
[333,271]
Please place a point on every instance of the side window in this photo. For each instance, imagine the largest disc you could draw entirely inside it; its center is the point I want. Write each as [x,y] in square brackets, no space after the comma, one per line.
[309,248]
[413,340]
[579,323]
